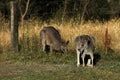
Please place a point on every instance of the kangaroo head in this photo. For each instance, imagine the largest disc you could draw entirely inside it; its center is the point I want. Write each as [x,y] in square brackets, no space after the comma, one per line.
[82,45]
[64,47]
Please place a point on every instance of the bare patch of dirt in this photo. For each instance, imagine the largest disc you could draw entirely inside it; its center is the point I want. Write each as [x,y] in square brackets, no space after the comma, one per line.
[18,69]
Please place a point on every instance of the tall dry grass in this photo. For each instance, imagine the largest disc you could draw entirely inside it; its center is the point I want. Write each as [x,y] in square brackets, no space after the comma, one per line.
[68,31]
[97,29]
[4,33]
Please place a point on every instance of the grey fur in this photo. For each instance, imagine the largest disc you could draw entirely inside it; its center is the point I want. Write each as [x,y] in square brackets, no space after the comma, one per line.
[51,37]
[84,45]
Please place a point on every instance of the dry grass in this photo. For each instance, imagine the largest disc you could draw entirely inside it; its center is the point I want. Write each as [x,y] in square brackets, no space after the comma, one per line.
[68,31]
[96,29]
[4,38]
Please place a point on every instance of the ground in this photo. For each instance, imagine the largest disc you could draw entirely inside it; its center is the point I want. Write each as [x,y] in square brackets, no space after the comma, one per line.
[59,67]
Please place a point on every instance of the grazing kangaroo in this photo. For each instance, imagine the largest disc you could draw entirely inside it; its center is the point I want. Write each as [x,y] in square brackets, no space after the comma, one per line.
[84,46]
[49,36]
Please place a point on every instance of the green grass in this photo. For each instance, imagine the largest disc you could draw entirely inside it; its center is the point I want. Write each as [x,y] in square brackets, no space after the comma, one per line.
[38,65]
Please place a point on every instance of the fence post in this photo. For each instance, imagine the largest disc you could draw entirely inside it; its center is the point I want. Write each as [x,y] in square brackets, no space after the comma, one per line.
[14,25]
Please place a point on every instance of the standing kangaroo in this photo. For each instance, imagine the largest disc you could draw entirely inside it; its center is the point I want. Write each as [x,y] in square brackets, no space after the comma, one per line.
[49,36]
[84,46]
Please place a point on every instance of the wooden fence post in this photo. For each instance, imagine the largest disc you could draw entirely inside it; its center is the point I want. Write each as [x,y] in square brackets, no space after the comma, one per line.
[14,25]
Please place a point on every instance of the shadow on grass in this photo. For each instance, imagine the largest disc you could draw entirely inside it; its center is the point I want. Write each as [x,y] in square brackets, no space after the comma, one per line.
[97,57]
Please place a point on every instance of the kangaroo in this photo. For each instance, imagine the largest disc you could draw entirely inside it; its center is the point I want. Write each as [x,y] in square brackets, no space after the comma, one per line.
[84,46]
[49,36]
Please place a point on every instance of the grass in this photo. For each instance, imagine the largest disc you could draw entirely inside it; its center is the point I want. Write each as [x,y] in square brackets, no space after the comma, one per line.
[29,35]
[42,66]
[33,64]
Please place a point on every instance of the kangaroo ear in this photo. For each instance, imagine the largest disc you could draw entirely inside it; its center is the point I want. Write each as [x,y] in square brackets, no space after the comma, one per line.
[93,40]
[67,42]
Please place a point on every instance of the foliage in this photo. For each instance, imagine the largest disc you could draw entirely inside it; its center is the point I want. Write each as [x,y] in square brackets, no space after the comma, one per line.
[50,9]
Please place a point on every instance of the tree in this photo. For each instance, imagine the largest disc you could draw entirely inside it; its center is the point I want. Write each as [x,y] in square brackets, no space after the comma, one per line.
[23,12]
